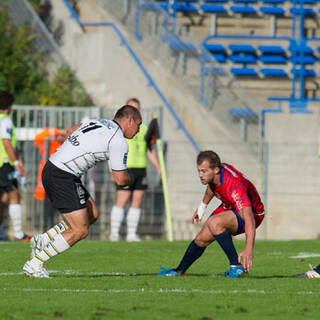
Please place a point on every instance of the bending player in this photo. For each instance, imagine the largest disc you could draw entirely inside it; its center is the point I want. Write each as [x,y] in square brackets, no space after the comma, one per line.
[241,211]
[89,143]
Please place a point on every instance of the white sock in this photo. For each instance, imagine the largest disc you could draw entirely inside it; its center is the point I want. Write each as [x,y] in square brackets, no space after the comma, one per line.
[15,214]
[51,233]
[56,246]
[116,218]
[133,217]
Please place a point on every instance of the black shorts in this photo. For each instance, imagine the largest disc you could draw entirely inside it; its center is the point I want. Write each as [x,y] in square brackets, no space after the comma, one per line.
[64,189]
[7,184]
[139,179]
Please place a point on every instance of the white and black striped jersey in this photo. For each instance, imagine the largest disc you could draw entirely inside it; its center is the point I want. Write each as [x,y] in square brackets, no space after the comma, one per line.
[94,141]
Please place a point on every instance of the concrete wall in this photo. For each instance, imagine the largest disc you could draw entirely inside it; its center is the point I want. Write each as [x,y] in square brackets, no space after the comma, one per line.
[293,176]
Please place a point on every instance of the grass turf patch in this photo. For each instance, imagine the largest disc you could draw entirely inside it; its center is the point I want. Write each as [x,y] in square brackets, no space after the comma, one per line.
[104,280]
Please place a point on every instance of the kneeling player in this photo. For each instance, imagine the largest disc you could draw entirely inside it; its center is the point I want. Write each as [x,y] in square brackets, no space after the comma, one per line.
[241,211]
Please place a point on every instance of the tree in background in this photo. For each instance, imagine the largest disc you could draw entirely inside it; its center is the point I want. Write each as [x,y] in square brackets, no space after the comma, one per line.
[23,70]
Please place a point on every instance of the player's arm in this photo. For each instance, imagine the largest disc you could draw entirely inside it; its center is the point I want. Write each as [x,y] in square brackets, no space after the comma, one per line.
[70,130]
[198,214]
[246,256]
[13,157]
[152,156]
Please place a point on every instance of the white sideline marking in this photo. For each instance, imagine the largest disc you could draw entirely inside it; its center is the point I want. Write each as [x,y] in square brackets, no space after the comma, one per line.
[302,255]
[161,290]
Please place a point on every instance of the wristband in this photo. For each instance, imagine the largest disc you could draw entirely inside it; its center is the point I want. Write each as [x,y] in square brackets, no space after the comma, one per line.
[15,162]
[201,210]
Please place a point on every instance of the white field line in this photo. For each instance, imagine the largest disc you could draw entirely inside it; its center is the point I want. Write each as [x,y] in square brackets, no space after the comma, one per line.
[302,255]
[76,273]
[161,290]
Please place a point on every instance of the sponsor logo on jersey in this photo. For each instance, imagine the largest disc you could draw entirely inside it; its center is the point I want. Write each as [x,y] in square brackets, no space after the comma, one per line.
[125,157]
[74,140]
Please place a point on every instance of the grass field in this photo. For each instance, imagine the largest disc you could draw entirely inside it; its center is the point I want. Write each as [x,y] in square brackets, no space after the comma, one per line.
[103,280]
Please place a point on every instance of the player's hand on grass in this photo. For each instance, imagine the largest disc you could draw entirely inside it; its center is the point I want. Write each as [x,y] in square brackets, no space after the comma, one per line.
[195,217]
[246,258]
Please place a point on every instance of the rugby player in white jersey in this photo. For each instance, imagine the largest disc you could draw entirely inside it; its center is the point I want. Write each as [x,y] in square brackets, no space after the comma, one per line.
[88,143]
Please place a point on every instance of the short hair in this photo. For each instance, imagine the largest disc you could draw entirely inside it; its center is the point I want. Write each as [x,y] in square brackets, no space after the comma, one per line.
[127,111]
[211,157]
[136,100]
[6,100]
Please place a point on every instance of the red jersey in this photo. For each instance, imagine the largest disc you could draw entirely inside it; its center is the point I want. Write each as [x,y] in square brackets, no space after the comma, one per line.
[236,191]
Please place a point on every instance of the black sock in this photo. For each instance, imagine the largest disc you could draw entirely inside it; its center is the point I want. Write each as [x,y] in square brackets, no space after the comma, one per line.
[317,268]
[225,241]
[191,255]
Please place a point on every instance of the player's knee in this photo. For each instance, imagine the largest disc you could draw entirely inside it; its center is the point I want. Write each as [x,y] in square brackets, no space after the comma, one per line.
[201,241]
[215,225]
[80,233]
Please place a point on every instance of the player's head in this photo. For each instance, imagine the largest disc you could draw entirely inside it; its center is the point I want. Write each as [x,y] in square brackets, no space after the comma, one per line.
[208,163]
[6,100]
[129,119]
[134,102]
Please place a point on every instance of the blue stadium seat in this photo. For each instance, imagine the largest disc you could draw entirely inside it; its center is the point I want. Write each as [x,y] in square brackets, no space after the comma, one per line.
[247,113]
[306,49]
[273,72]
[274,1]
[243,9]
[154,6]
[176,44]
[306,73]
[213,8]
[214,1]
[270,49]
[184,7]
[188,1]
[243,58]
[244,71]
[306,11]
[214,47]
[304,1]
[245,1]
[220,57]
[309,59]
[242,48]
[273,59]
[272,10]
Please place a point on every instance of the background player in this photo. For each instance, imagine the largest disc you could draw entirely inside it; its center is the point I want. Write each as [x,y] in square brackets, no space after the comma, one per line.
[241,211]
[89,143]
[137,167]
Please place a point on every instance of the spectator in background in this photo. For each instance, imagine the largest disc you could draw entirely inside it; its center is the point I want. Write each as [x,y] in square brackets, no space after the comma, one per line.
[55,137]
[10,162]
[137,168]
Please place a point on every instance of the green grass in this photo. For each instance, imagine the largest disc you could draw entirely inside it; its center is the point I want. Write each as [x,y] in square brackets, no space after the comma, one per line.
[103,280]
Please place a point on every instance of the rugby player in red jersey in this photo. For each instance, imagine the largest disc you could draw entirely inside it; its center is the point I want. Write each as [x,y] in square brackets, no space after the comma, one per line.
[241,211]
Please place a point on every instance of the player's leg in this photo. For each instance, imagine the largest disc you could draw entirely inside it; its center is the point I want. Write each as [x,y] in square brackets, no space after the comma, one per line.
[117,212]
[3,202]
[134,214]
[313,273]
[222,226]
[15,213]
[78,227]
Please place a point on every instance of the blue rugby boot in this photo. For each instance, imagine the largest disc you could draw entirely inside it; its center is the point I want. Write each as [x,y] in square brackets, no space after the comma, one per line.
[235,272]
[167,272]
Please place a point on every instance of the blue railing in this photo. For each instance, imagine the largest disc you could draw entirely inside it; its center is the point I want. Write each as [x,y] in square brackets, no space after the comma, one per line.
[140,65]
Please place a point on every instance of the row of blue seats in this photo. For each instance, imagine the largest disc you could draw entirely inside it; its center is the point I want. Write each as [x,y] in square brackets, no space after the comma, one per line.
[220,8]
[263,72]
[243,1]
[267,54]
